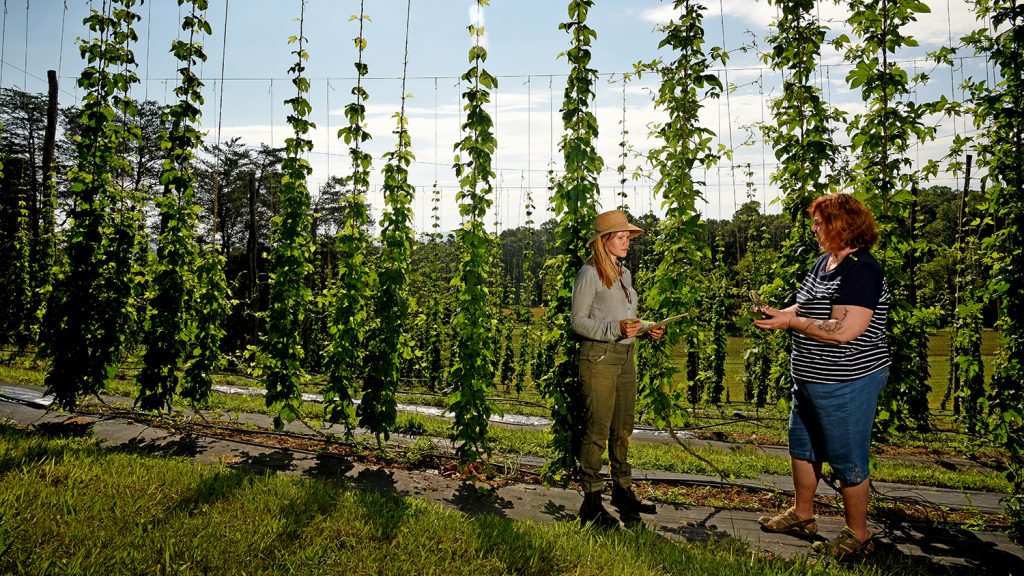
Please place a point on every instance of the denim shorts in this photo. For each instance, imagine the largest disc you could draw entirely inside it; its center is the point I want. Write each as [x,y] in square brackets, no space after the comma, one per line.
[832,423]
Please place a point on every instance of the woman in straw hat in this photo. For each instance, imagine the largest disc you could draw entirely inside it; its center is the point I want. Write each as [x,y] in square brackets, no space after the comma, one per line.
[604,316]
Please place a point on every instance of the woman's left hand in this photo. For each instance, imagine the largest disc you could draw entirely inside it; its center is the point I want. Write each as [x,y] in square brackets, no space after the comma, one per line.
[775,319]
[657,332]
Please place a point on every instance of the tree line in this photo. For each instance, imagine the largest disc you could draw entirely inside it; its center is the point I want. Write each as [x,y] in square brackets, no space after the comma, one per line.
[246,179]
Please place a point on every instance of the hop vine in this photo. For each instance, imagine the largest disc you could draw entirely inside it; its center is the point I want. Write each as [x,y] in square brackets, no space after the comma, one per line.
[291,252]
[89,310]
[685,148]
[1001,152]
[387,345]
[574,204]
[351,294]
[803,138]
[883,174]
[475,323]
[171,329]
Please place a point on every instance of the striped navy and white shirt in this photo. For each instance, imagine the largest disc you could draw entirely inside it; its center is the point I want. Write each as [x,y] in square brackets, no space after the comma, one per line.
[856,281]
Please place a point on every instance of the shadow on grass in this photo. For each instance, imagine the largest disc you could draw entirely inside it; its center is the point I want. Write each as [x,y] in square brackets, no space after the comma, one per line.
[216,486]
[266,462]
[383,514]
[472,499]
[329,467]
[702,530]
[558,512]
[956,547]
[76,427]
[312,502]
[516,547]
[28,447]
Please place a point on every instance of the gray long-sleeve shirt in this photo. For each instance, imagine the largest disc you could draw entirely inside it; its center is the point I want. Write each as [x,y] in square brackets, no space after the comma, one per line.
[597,309]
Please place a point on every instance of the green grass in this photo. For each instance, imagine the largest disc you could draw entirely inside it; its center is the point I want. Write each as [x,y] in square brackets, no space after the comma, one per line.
[741,461]
[71,507]
[938,362]
[767,427]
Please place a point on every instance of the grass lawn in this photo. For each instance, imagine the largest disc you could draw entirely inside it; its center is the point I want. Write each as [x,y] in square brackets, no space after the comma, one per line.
[71,507]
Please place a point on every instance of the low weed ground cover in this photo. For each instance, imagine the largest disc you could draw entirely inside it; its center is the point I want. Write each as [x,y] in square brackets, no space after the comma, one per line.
[733,422]
[739,461]
[742,461]
[71,507]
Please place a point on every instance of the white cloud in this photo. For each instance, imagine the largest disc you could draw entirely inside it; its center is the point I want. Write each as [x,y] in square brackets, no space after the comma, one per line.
[659,15]
[938,26]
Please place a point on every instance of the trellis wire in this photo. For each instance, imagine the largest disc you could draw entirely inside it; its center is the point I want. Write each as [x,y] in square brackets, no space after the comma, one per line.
[728,111]
[60,49]
[24,81]
[149,38]
[3,45]
[328,122]
[215,241]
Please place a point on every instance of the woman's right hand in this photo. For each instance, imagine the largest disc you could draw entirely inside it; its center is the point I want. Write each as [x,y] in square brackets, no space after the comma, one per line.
[774,319]
[630,326]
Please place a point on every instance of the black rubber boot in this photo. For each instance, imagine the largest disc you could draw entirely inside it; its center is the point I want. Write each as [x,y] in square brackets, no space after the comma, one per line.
[593,512]
[627,501]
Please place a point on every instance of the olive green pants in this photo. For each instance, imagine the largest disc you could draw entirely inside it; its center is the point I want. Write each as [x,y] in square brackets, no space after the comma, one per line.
[608,377]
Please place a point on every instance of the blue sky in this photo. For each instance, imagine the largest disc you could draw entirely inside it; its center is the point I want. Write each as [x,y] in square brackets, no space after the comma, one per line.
[523,42]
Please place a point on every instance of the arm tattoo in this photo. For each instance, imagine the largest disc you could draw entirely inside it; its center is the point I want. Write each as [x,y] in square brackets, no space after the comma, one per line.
[833,325]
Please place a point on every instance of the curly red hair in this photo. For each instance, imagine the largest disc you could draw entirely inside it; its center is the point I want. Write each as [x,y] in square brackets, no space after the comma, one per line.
[845,222]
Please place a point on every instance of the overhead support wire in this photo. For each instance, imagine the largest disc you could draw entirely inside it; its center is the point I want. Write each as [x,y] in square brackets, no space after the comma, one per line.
[551,144]
[60,48]
[728,112]
[223,59]
[328,106]
[529,134]
[494,166]
[3,44]
[622,178]
[220,121]
[952,81]
[764,168]
[436,212]
[149,36]
[24,81]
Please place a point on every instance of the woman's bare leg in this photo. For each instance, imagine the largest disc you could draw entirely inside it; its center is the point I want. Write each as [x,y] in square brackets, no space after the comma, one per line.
[806,475]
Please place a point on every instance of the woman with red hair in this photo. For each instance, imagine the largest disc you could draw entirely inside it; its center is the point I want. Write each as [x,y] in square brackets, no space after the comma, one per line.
[840,363]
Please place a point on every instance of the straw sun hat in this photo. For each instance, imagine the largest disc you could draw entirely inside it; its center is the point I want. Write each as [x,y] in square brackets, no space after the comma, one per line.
[613,221]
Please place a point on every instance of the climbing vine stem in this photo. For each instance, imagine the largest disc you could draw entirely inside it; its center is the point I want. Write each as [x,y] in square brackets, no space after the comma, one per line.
[171,330]
[351,293]
[291,250]
[573,202]
[387,346]
[89,309]
[475,322]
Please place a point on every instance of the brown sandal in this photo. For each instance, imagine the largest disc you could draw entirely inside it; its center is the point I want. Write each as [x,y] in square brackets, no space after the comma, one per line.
[789,523]
[845,546]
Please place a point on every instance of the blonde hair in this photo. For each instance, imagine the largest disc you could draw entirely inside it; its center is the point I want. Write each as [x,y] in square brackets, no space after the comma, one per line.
[607,267]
